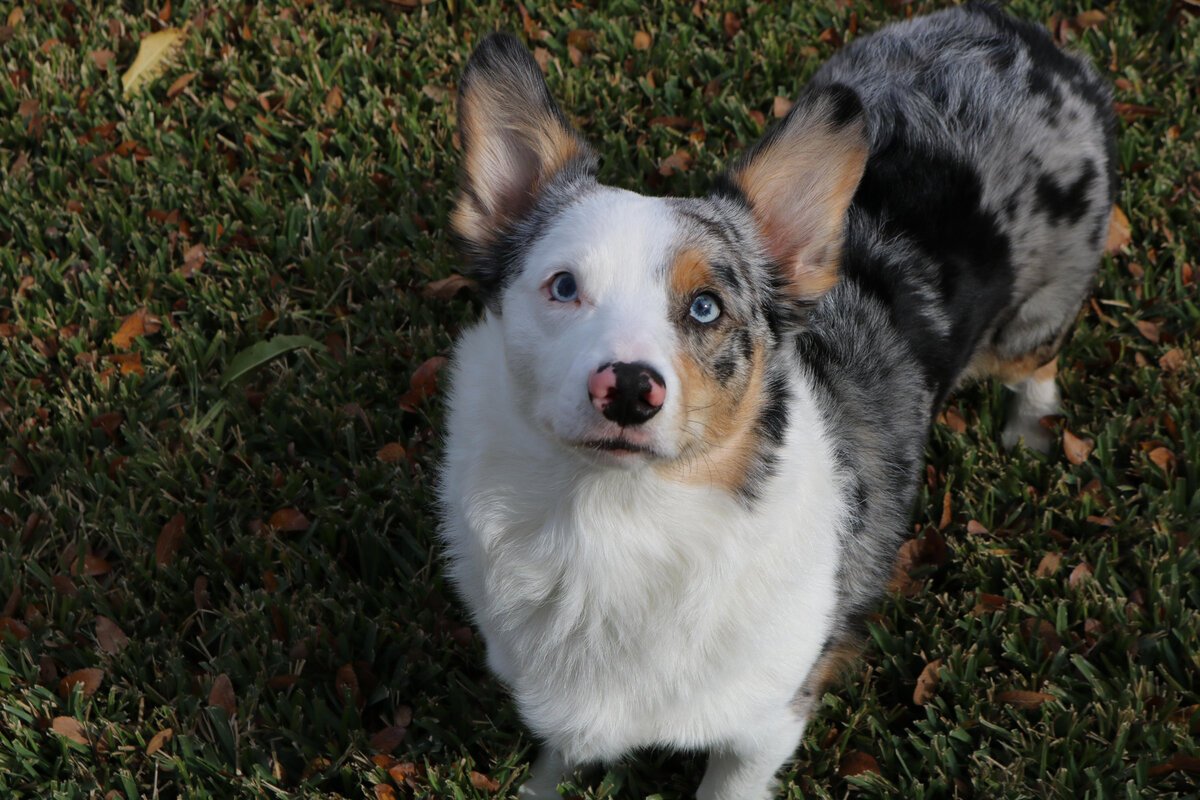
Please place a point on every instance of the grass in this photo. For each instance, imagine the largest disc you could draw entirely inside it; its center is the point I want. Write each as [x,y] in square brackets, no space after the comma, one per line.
[298,638]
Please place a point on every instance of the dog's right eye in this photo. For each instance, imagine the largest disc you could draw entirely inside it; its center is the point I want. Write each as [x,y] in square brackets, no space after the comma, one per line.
[563,288]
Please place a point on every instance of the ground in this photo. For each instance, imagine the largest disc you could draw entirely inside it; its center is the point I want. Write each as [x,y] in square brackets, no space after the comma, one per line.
[217,568]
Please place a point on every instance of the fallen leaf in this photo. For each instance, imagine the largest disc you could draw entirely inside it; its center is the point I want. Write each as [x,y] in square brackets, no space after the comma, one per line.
[384,792]
[1148,330]
[333,101]
[483,783]
[128,363]
[1043,631]
[89,679]
[1048,565]
[781,106]
[1119,233]
[70,728]
[1163,458]
[16,17]
[1132,111]
[388,739]
[154,53]
[289,519]
[1177,763]
[170,538]
[193,260]
[989,602]
[1077,450]
[93,566]
[642,40]
[1172,360]
[679,161]
[927,682]
[139,323]
[158,740]
[856,762]
[947,512]
[221,695]
[180,83]
[1089,19]
[954,420]
[1024,699]
[102,58]
[542,56]
[422,384]
[449,288]
[731,23]
[975,527]
[1081,573]
[14,628]
[390,453]
[405,773]
[583,40]
[109,635]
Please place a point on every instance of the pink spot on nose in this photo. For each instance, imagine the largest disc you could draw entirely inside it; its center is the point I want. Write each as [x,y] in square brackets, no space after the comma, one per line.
[655,395]
[601,386]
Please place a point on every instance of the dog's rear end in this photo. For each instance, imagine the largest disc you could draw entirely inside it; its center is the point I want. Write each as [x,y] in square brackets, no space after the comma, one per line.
[685,441]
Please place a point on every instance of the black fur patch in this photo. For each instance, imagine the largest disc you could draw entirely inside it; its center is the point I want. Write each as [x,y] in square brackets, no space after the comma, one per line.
[1068,203]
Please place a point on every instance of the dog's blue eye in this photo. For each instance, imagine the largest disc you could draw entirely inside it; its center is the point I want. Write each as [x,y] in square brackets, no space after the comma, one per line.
[563,288]
[705,309]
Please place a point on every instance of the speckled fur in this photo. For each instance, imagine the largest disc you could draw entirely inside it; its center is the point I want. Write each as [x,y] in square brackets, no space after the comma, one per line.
[700,596]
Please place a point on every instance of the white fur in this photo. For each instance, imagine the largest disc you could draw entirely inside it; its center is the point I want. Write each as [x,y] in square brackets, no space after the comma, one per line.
[622,608]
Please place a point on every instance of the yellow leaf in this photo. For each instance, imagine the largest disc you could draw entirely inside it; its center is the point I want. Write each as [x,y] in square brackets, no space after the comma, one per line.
[152,56]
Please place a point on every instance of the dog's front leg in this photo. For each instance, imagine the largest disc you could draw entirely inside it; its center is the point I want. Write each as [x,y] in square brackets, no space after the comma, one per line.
[544,776]
[745,770]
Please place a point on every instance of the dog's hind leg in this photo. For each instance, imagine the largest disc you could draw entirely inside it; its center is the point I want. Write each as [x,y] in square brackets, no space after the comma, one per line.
[545,775]
[1034,397]
[746,770]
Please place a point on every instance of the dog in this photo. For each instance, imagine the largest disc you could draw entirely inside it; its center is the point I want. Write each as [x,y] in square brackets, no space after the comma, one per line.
[685,439]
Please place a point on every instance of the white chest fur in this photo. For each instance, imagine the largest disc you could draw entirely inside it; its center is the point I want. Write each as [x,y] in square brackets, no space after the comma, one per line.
[623,609]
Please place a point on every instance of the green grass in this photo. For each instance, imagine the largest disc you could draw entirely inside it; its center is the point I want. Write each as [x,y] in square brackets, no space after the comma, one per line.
[329,222]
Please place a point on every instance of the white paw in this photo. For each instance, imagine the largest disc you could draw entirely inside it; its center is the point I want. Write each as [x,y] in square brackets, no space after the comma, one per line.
[1028,432]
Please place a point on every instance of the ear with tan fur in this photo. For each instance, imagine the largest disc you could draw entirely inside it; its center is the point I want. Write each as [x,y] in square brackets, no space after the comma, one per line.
[514,138]
[799,180]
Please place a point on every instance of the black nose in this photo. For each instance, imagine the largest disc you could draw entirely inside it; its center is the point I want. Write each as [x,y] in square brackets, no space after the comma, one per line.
[628,394]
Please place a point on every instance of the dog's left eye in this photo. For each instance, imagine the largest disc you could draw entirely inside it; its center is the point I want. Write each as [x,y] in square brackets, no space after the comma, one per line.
[563,288]
[705,309]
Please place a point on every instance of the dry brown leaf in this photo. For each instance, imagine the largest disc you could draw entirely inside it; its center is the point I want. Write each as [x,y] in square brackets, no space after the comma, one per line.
[14,628]
[1049,565]
[405,773]
[1163,458]
[423,383]
[988,603]
[128,363]
[193,260]
[169,540]
[732,23]
[1081,573]
[289,519]
[333,101]
[1172,360]
[781,106]
[1119,233]
[975,527]
[947,512]
[89,679]
[388,739]
[483,783]
[383,792]
[542,56]
[109,635]
[102,59]
[1132,111]
[449,288]
[1089,19]
[1076,449]
[70,728]
[927,682]
[856,762]
[954,420]
[16,17]
[221,695]
[139,323]
[158,740]
[679,161]
[93,566]
[642,40]
[390,453]
[180,83]
[1024,699]
[1148,330]
[1044,631]
[153,55]
[1177,763]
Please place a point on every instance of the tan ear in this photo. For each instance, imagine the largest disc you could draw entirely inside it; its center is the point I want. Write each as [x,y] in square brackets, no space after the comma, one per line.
[514,138]
[799,180]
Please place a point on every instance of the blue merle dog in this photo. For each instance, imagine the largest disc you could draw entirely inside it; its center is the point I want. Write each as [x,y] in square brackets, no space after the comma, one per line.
[685,439]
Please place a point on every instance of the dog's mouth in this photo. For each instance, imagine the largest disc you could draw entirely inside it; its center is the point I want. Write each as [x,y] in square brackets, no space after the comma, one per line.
[617,445]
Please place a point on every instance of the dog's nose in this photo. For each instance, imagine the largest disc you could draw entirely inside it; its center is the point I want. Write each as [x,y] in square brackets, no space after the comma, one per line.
[627,394]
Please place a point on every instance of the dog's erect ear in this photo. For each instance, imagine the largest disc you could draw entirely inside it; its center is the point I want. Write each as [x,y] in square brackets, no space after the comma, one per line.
[799,180]
[514,138]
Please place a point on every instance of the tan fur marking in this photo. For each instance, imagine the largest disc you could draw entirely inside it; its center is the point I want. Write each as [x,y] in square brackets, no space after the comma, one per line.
[719,431]
[690,273]
[799,189]
[828,669]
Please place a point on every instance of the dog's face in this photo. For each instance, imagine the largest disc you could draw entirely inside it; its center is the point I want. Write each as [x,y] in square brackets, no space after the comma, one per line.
[640,330]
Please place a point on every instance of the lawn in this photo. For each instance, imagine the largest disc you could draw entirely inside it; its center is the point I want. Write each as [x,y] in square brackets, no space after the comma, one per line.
[217,568]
